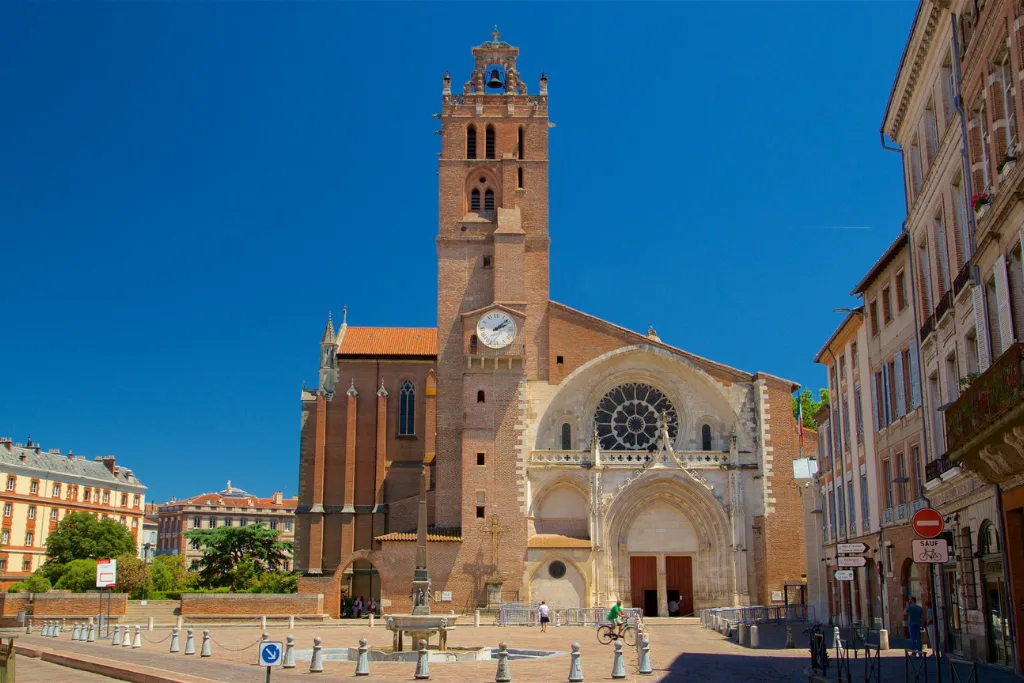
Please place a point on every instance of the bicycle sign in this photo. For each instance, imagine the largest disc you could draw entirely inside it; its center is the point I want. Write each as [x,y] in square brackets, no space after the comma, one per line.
[930,551]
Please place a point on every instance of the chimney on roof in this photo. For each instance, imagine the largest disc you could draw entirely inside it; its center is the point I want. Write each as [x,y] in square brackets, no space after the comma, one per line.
[6,442]
[22,457]
[278,497]
[38,449]
[108,462]
[70,452]
[54,451]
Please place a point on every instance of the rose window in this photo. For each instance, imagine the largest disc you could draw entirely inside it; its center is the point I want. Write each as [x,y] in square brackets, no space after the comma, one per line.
[628,418]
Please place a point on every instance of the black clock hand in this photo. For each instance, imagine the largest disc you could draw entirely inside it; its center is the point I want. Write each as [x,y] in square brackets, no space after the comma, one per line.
[500,326]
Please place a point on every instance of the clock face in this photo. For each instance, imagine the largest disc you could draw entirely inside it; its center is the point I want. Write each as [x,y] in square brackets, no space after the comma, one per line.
[496,329]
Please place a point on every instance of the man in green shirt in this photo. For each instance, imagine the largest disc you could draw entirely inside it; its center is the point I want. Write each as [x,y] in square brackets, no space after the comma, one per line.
[615,617]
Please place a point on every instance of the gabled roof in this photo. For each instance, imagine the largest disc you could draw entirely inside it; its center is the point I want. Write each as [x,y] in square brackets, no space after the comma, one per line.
[855,313]
[389,341]
[883,261]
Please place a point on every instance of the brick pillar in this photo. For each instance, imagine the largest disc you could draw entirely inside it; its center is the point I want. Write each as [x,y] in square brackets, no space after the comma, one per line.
[316,512]
[382,448]
[350,450]
[430,419]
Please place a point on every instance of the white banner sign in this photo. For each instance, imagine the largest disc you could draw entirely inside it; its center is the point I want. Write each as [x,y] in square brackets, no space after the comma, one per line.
[930,550]
[106,573]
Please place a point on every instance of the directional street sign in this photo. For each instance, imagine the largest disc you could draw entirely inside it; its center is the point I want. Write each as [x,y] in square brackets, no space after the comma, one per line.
[851,549]
[927,523]
[844,575]
[270,653]
[856,561]
[930,551]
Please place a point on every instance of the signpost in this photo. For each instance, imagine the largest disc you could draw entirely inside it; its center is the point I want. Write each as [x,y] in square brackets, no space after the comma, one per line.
[930,550]
[927,523]
[270,655]
[851,549]
[857,561]
[106,577]
[844,575]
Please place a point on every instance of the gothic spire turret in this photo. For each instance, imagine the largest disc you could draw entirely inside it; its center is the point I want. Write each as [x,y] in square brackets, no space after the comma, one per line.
[328,337]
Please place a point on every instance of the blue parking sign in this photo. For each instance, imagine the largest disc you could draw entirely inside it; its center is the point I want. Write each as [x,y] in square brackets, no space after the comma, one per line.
[271,653]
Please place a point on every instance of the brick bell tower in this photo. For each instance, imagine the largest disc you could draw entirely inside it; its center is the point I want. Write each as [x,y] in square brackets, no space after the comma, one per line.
[492,298]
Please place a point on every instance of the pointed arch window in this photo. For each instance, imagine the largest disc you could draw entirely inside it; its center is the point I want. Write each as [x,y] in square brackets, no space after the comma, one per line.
[566,436]
[522,140]
[489,200]
[474,200]
[471,142]
[407,409]
[705,438]
[490,142]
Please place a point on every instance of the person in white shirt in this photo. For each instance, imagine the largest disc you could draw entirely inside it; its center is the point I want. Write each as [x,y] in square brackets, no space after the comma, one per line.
[545,617]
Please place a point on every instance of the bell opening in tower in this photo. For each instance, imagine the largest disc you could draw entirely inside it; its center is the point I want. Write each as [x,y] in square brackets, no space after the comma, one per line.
[495,78]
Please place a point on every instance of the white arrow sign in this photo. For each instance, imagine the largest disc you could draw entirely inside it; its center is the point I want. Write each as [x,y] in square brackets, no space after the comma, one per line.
[857,561]
[844,575]
[851,549]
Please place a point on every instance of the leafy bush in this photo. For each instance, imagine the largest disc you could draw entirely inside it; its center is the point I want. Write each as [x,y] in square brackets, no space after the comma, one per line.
[78,576]
[275,582]
[36,583]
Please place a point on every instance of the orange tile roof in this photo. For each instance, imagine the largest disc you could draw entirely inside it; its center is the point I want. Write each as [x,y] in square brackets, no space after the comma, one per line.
[389,341]
[232,501]
[557,541]
[409,536]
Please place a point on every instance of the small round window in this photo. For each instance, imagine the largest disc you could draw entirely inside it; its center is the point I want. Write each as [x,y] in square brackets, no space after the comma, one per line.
[483,180]
[556,569]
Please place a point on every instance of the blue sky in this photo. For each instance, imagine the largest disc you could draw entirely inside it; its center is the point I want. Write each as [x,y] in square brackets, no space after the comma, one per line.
[186,189]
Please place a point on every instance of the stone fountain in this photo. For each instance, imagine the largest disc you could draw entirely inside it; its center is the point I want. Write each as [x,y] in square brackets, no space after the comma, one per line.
[421,623]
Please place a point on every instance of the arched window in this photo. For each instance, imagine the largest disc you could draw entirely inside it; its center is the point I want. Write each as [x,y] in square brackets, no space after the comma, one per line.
[472,344]
[480,398]
[471,142]
[566,437]
[988,540]
[521,141]
[520,185]
[489,200]
[407,409]
[474,200]
[705,438]
[490,142]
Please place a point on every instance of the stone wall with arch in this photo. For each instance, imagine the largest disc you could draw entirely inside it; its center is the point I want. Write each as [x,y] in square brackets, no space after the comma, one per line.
[559,504]
[571,589]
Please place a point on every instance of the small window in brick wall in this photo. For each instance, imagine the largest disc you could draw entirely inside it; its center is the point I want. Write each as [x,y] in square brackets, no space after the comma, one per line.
[472,344]
[481,397]
[560,360]
[521,148]
[520,180]
[489,200]
[471,142]
[480,503]
[481,459]
[474,200]
[490,142]
[487,261]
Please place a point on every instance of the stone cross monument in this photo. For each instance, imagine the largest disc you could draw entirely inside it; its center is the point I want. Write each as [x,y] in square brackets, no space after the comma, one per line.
[421,577]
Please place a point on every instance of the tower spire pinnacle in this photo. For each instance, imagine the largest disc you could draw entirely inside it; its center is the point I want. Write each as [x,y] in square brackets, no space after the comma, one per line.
[328,337]
[495,34]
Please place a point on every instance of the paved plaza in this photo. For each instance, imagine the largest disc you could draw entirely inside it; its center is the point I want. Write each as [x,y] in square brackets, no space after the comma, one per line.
[678,653]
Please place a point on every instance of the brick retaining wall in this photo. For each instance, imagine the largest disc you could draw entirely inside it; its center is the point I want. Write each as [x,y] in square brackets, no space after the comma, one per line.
[251,604]
[58,604]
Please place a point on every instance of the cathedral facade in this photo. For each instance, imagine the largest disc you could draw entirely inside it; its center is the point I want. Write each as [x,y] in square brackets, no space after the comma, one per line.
[569,459]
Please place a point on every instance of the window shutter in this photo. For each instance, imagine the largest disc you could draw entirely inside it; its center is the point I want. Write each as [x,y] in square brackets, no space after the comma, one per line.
[1003,303]
[978,294]
[886,408]
[915,379]
[874,405]
[901,399]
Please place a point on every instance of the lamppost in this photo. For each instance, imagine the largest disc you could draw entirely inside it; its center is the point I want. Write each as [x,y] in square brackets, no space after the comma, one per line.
[145,569]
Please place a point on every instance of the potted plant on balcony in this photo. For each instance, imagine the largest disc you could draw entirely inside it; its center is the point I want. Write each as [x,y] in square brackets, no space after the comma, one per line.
[981,203]
[1007,164]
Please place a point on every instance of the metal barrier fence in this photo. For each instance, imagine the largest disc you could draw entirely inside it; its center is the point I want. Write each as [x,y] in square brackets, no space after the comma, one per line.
[528,614]
[757,614]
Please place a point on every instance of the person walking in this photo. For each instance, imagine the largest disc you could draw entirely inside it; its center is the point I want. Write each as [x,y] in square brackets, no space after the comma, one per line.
[914,613]
[673,608]
[929,624]
[545,616]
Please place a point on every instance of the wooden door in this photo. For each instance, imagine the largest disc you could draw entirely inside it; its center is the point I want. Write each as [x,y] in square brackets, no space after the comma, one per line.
[679,576]
[643,576]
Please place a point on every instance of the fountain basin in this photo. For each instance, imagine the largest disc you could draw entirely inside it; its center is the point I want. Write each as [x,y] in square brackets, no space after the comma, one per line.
[420,627]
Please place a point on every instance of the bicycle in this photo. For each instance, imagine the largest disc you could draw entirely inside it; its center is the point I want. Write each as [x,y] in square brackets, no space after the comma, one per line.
[609,633]
[819,652]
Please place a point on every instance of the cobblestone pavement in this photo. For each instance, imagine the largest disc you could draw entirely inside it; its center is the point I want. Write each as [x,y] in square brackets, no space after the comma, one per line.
[35,671]
[678,653]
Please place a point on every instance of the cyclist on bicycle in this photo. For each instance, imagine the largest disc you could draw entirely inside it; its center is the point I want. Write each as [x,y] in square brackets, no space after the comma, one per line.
[616,619]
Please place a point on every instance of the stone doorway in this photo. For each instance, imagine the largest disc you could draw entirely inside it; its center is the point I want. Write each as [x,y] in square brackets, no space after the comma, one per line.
[679,582]
[360,580]
[643,580]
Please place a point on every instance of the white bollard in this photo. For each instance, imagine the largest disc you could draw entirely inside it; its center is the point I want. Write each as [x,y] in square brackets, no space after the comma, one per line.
[117,635]
[126,636]
[180,622]
[289,653]
[504,674]
[618,667]
[476,619]
[205,650]
[883,639]
[291,621]
[575,665]
[742,637]
[316,663]
[558,618]
[149,624]
[91,636]
[363,663]
[422,663]
[190,643]
[263,622]
[137,643]
[175,647]
[371,619]
[755,640]
[645,656]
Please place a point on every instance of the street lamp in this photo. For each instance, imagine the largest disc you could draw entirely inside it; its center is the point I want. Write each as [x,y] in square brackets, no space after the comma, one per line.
[145,569]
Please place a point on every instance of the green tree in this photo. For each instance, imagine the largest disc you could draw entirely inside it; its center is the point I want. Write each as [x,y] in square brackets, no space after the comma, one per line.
[171,574]
[237,552]
[810,406]
[275,582]
[79,576]
[80,536]
[131,575]
[36,583]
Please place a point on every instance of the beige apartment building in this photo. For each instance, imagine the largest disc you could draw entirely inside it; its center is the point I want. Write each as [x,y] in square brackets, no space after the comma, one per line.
[847,477]
[959,80]
[897,425]
[41,487]
[231,506]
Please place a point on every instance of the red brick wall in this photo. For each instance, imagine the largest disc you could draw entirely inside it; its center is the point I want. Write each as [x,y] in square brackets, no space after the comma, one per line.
[61,603]
[253,604]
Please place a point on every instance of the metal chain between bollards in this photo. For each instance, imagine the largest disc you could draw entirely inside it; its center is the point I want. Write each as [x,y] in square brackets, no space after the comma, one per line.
[157,642]
[228,649]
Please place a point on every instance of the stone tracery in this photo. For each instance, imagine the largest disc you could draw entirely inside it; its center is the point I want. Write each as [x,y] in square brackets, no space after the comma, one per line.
[629,417]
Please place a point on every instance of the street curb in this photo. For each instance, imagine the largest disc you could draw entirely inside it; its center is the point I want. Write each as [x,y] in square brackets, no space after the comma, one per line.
[109,668]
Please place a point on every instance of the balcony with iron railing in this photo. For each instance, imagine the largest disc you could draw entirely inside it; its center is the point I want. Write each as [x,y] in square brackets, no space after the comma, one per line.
[936,468]
[962,278]
[944,305]
[988,416]
[901,513]
[926,327]
[887,516]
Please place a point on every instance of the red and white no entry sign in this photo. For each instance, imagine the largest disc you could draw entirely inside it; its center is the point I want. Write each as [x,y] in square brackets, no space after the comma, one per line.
[927,523]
